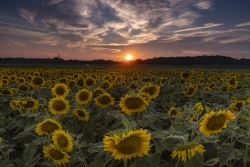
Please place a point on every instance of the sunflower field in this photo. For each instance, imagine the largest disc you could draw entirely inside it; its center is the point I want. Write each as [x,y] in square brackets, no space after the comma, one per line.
[124,118]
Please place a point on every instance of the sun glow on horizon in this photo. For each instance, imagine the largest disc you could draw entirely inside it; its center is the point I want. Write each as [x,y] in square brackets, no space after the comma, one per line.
[128,57]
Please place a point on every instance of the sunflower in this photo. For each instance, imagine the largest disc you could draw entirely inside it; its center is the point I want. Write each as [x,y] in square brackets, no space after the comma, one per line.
[173,112]
[14,104]
[97,92]
[21,80]
[198,107]
[152,90]
[133,103]
[188,150]
[82,114]
[104,100]
[106,85]
[37,81]
[23,88]
[236,105]
[58,156]
[48,127]
[185,75]
[62,139]
[80,82]
[89,82]
[83,96]
[7,91]
[30,104]
[213,122]
[134,143]
[232,82]
[190,91]
[60,90]
[4,82]
[146,96]
[58,105]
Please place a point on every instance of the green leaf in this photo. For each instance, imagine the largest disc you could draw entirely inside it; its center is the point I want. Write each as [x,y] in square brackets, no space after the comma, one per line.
[245,141]
[98,162]
[211,162]
[226,152]
[125,121]
[148,161]
[29,150]
[6,163]
[195,161]
[97,147]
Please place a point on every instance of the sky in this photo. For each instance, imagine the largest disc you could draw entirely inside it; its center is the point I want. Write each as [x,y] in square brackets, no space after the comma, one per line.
[111,29]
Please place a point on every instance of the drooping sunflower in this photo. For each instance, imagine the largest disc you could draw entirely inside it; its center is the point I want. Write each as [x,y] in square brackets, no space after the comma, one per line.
[58,156]
[190,91]
[62,139]
[58,105]
[82,114]
[89,82]
[152,90]
[97,92]
[134,143]
[213,122]
[104,100]
[236,105]
[83,96]
[188,150]
[37,81]
[48,127]
[60,90]
[6,91]
[133,103]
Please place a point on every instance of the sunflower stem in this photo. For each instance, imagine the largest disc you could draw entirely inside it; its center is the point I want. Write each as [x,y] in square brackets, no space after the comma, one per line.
[3,154]
[125,162]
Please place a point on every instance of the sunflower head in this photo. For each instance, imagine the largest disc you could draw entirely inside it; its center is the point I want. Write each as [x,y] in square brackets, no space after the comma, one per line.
[198,107]
[236,105]
[63,140]
[82,114]
[6,91]
[89,82]
[133,103]
[134,143]
[173,112]
[187,151]
[58,105]
[83,96]
[30,104]
[48,127]
[152,90]
[23,88]
[106,85]
[57,155]
[37,81]
[213,122]
[104,100]
[97,92]
[60,90]
[190,91]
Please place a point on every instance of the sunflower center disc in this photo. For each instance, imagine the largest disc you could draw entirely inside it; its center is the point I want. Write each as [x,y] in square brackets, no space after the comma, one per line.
[28,104]
[129,145]
[23,88]
[105,85]
[89,82]
[59,106]
[232,81]
[6,92]
[60,90]
[190,91]
[62,141]
[239,106]
[133,103]
[55,154]
[37,81]
[80,82]
[216,122]
[104,100]
[185,75]
[81,113]
[150,91]
[173,112]
[83,96]
[49,127]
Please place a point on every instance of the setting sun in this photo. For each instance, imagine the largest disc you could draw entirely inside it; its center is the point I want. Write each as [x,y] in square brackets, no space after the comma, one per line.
[128,57]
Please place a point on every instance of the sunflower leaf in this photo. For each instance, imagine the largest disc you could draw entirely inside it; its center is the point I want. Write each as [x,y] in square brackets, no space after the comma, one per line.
[245,141]
[226,152]
[195,161]
[6,163]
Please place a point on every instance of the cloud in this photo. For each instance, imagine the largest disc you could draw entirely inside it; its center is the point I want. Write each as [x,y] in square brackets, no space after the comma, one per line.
[235,39]
[208,25]
[243,24]
[72,37]
[203,5]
